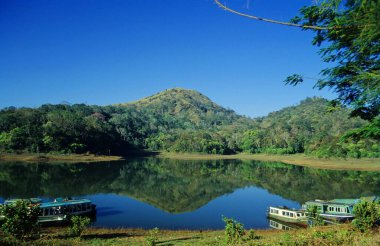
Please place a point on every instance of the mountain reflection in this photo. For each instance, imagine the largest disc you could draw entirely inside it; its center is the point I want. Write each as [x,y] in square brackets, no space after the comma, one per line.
[178,186]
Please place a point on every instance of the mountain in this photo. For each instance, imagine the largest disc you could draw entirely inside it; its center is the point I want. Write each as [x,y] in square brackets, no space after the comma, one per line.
[180,120]
[189,105]
[178,100]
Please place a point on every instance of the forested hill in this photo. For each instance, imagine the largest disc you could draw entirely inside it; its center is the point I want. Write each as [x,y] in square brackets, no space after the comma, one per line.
[182,120]
[189,106]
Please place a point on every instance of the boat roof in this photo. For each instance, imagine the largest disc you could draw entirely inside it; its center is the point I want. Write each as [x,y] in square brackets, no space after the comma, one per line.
[347,202]
[63,203]
[286,208]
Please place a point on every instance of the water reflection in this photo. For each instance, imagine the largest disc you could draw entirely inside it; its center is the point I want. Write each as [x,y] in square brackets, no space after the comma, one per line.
[164,188]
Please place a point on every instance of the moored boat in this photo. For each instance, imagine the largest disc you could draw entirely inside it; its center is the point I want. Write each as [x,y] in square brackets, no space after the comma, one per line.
[336,209]
[286,214]
[60,209]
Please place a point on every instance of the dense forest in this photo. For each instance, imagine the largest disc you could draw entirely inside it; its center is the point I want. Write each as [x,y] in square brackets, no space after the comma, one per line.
[180,120]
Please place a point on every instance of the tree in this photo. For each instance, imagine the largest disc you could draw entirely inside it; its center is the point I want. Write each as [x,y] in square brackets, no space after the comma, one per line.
[350,42]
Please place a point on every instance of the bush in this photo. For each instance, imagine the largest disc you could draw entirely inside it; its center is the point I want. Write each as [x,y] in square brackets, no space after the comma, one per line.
[21,220]
[78,225]
[152,238]
[233,231]
[251,235]
[367,215]
[314,215]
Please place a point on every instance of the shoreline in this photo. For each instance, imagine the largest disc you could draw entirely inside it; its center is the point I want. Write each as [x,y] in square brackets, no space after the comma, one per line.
[364,164]
[327,235]
[53,158]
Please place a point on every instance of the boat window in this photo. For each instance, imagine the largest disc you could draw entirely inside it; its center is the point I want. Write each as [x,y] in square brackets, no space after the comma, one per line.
[283,213]
[287,214]
[291,214]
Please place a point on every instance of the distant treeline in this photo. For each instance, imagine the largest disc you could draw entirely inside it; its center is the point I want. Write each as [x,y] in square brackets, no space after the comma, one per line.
[187,122]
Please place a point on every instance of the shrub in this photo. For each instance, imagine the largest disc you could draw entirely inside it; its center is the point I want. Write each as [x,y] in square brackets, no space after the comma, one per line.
[367,215]
[78,225]
[251,235]
[233,231]
[152,238]
[315,218]
[21,220]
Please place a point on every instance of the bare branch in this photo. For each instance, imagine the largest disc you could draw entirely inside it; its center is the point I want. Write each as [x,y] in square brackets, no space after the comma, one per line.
[269,20]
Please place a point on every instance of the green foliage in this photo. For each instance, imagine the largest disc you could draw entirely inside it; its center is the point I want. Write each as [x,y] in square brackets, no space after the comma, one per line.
[314,215]
[78,225]
[180,120]
[20,219]
[351,44]
[367,215]
[233,231]
[152,237]
[251,235]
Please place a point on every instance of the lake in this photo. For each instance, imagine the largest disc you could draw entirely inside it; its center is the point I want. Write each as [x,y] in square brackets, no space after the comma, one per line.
[183,194]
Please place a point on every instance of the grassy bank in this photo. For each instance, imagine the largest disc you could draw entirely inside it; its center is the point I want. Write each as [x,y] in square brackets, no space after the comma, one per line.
[333,235]
[74,158]
[364,164]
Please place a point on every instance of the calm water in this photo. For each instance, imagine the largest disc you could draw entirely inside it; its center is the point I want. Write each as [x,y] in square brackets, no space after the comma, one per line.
[175,194]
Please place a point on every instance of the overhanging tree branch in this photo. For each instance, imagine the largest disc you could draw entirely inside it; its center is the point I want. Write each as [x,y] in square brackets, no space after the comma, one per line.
[269,20]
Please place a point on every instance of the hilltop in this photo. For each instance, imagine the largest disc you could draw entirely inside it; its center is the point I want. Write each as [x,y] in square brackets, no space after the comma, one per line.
[179,100]
[189,105]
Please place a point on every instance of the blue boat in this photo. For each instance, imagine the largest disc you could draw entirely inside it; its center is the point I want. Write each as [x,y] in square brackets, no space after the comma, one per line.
[59,210]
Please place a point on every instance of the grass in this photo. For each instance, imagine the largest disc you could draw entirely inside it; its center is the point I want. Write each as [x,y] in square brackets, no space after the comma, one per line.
[72,158]
[331,235]
[363,164]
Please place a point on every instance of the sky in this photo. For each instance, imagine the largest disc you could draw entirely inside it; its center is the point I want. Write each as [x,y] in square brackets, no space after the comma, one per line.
[114,51]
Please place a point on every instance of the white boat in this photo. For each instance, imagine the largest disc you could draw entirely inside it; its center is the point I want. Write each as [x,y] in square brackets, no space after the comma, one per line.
[287,214]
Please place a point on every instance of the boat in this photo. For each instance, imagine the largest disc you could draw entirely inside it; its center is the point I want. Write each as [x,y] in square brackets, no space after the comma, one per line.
[62,209]
[336,209]
[286,214]
[59,210]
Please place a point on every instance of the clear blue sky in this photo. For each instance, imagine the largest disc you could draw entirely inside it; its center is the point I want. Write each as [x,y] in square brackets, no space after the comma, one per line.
[113,51]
